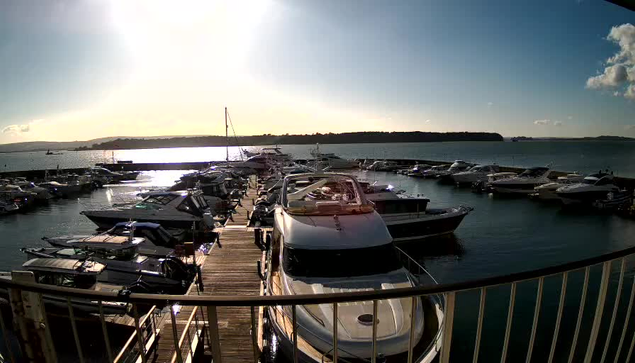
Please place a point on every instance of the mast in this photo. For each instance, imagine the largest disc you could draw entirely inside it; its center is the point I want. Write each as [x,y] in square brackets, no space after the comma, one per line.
[226,135]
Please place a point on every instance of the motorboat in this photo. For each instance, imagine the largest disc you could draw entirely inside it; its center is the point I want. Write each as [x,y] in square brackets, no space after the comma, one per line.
[41,194]
[106,176]
[384,165]
[81,274]
[124,264]
[475,174]
[592,188]
[548,191]
[328,238]
[485,186]
[434,171]
[61,189]
[151,239]
[524,183]
[13,193]
[417,170]
[8,207]
[181,210]
[409,218]
[456,167]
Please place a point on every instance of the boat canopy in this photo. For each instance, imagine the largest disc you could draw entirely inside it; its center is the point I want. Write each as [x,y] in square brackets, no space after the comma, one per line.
[63,265]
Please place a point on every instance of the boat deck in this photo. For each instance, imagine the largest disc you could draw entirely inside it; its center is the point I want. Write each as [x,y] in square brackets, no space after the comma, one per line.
[229,269]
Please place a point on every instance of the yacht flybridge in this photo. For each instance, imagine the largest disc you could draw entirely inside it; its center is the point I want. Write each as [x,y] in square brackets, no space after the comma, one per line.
[327,238]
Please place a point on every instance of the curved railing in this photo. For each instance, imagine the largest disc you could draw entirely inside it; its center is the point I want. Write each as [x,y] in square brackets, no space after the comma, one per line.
[449,291]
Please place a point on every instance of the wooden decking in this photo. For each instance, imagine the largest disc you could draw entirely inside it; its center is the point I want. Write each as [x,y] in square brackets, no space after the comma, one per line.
[229,269]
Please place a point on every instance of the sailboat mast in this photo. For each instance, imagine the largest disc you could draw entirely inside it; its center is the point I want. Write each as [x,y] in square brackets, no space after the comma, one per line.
[226,135]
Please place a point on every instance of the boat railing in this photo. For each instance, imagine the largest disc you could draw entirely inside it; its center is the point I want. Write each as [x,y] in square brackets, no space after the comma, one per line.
[594,334]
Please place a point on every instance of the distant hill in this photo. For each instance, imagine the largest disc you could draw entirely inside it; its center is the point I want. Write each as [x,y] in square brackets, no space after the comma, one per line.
[268,139]
[59,145]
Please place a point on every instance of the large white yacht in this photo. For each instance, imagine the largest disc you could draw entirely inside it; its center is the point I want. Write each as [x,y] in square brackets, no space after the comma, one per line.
[524,183]
[548,191]
[328,238]
[182,210]
[593,187]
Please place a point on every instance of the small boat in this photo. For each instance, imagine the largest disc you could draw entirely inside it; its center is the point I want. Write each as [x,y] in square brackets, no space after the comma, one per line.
[592,188]
[80,274]
[409,218]
[417,170]
[384,165]
[524,183]
[24,199]
[61,190]
[41,193]
[475,174]
[181,210]
[151,239]
[311,229]
[548,191]
[124,264]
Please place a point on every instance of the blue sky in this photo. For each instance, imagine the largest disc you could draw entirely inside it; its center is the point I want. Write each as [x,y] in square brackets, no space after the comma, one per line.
[84,69]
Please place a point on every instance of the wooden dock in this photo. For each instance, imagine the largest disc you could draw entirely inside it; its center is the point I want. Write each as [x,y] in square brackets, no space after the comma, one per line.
[229,269]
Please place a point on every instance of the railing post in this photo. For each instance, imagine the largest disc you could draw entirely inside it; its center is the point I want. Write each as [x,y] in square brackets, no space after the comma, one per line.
[479,324]
[140,341]
[254,333]
[585,288]
[616,305]
[510,318]
[373,359]
[212,318]
[78,344]
[30,322]
[413,327]
[104,330]
[563,293]
[534,326]
[175,335]
[335,337]
[628,316]
[294,333]
[599,309]
[447,326]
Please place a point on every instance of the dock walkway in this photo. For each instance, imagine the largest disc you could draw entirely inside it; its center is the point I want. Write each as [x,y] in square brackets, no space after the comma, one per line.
[229,269]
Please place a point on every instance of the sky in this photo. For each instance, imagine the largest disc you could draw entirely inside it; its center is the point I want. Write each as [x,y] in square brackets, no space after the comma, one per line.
[83,69]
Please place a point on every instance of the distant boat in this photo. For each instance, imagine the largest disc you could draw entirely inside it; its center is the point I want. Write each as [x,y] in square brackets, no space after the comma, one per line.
[49,152]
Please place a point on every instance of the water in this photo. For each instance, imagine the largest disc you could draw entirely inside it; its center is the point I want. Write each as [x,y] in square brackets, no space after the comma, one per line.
[581,156]
[501,235]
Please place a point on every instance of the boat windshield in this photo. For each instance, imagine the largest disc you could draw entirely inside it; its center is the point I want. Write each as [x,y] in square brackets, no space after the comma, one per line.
[324,195]
[67,280]
[191,206]
[340,263]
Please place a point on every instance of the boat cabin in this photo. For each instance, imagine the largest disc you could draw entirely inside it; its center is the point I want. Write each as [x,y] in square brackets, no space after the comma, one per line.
[192,203]
[153,232]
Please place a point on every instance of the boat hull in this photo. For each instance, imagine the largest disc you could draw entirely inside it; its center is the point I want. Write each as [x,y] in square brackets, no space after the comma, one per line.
[587,197]
[426,226]
[106,222]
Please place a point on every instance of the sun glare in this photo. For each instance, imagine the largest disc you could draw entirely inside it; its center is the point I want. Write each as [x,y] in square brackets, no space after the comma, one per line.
[194,37]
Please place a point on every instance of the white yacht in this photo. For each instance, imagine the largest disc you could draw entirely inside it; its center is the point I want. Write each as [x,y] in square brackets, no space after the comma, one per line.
[475,174]
[593,187]
[328,238]
[409,218]
[336,162]
[524,183]
[456,167]
[417,170]
[41,194]
[434,171]
[181,210]
[548,191]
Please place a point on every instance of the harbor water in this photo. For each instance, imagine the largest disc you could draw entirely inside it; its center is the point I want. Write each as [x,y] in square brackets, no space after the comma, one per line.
[501,236]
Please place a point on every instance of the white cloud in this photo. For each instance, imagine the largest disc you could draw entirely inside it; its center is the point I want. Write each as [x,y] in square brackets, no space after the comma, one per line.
[542,122]
[490,104]
[16,129]
[629,127]
[613,76]
[570,117]
[427,121]
[619,73]
[557,123]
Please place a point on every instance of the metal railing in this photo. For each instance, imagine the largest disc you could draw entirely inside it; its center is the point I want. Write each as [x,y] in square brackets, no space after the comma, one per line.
[203,323]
